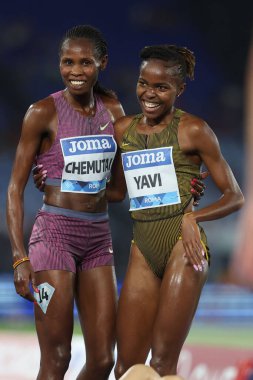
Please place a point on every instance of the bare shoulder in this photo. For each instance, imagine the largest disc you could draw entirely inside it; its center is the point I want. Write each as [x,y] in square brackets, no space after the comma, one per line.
[194,133]
[121,125]
[192,123]
[41,117]
[123,122]
[42,109]
[113,106]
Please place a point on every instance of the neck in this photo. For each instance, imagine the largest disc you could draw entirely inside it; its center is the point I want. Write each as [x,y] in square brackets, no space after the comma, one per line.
[84,103]
[163,120]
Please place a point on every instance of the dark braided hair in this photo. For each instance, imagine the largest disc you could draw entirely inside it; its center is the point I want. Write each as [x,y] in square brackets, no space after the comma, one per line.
[100,48]
[181,59]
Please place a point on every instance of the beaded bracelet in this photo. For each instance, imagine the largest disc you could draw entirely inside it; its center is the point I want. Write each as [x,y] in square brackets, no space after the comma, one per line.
[20,261]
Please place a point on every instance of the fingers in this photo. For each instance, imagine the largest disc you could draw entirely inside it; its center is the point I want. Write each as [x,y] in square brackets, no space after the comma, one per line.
[198,186]
[40,182]
[196,194]
[196,255]
[39,177]
[24,281]
[31,298]
[196,197]
[197,190]
[192,243]
[34,286]
[36,169]
[27,295]
[204,175]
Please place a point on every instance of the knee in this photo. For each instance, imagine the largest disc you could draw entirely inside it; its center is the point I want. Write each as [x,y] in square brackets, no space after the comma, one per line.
[96,369]
[59,360]
[99,366]
[105,364]
[156,363]
[163,365]
[120,369]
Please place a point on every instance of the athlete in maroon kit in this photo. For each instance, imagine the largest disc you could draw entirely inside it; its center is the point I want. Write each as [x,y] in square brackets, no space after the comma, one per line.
[70,249]
[60,236]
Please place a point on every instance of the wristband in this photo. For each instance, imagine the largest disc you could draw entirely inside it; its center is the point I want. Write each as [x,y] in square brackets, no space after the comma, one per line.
[20,261]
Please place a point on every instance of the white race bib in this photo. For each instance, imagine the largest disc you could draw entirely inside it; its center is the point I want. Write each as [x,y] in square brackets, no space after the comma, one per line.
[87,163]
[151,178]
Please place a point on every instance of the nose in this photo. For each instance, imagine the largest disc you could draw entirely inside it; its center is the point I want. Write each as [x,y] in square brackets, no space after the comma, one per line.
[150,91]
[76,70]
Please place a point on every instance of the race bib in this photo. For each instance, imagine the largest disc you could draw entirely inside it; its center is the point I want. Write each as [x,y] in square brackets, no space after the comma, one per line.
[44,295]
[151,178]
[87,163]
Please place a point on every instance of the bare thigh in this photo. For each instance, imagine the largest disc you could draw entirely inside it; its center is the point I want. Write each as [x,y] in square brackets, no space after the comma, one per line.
[179,296]
[55,327]
[96,299]
[136,311]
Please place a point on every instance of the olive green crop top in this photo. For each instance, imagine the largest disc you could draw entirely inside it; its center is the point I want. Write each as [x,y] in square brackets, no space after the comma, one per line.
[185,169]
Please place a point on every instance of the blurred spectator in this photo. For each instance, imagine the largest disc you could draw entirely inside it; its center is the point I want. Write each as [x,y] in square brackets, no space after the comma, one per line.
[245,370]
[144,372]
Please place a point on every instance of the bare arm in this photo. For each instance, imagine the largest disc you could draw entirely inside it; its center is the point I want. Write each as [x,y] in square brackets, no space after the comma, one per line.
[29,143]
[198,137]
[116,190]
[207,146]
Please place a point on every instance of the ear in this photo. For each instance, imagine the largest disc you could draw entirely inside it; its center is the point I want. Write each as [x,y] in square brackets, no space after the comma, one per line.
[181,89]
[104,62]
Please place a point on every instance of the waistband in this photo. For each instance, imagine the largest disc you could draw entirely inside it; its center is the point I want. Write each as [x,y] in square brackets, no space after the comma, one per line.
[75,214]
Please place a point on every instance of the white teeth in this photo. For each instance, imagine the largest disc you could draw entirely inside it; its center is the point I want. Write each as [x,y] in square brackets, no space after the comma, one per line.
[151,105]
[77,82]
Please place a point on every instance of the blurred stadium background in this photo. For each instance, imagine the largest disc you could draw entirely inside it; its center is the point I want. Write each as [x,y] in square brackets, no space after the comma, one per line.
[219,33]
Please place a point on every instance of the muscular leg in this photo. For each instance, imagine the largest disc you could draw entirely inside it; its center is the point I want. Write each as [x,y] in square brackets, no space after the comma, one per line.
[55,328]
[180,291]
[136,313]
[96,299]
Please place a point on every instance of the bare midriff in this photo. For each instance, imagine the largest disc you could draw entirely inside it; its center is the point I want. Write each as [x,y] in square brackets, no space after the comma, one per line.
[75,201]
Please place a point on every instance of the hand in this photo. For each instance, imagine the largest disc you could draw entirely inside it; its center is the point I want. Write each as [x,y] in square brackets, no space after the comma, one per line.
[198,187]
[39,177]
[23,276]
[194,250]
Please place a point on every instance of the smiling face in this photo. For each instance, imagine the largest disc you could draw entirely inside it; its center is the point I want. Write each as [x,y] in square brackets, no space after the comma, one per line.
[80,65]
[157,89]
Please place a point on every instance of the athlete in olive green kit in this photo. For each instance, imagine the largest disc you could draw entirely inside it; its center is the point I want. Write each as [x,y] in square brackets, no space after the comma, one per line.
[151,224]
[162,149]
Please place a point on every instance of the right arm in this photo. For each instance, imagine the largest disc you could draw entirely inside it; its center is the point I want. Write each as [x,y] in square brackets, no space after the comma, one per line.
[33,129]
[116,189]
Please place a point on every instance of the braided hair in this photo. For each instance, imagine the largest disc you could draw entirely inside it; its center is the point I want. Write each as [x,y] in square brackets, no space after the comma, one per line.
[180,59]
[100,48]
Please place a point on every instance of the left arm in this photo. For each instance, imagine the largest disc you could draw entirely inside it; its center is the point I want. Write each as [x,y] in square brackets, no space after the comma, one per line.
[200,138]
[208,148]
